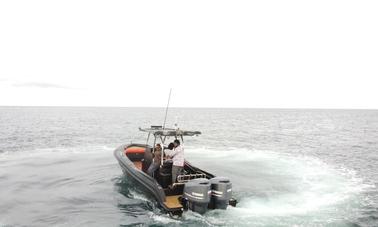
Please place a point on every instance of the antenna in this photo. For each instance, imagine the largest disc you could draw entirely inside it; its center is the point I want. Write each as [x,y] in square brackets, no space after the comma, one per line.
[166,109]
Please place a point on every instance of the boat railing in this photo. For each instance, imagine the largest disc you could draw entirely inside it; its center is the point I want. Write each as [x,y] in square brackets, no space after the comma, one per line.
[187,177]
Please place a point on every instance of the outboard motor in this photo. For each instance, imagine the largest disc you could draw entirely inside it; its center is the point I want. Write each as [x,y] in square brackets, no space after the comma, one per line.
[221,192]
[197,194]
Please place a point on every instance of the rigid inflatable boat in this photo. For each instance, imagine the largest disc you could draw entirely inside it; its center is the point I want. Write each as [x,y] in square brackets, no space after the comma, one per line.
[194,189]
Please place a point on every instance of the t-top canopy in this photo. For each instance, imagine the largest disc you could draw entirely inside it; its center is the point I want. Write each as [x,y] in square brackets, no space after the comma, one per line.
[159,131]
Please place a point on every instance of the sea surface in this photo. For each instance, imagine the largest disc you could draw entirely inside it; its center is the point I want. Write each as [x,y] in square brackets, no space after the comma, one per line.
[288,167]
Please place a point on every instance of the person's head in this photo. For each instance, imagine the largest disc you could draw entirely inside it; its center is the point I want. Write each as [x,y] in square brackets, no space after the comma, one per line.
[158,146]
[176,142]
[171,146]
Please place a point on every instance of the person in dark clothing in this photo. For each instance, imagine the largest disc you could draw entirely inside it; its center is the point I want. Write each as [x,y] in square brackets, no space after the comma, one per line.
[171,146]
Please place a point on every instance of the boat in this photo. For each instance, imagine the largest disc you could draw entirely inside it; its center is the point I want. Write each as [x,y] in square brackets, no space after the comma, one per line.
[195,189]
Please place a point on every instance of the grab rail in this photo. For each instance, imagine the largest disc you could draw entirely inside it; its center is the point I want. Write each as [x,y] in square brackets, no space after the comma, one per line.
[186,177]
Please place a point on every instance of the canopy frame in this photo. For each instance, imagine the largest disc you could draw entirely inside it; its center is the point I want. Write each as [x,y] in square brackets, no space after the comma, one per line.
[161,133]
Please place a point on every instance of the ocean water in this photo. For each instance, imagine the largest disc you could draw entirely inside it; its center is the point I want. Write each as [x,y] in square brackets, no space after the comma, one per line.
[288,167]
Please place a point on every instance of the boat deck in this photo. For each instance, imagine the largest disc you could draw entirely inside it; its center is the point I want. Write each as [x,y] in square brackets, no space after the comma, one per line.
[172,201]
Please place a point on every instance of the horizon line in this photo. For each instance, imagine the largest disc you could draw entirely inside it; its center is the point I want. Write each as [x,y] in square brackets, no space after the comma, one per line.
[195,107]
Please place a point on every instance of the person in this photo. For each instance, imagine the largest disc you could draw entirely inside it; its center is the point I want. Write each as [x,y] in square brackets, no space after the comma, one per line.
[170,148]
[177,155]
[156,161]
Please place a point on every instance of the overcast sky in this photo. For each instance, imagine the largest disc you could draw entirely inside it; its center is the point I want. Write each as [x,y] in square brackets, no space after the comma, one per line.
[263,54]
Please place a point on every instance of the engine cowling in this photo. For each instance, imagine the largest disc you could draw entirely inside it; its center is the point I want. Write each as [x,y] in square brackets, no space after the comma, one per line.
[221,192]
[197,194]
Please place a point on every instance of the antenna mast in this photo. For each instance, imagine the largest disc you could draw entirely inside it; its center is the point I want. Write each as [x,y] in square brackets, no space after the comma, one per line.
[166,109]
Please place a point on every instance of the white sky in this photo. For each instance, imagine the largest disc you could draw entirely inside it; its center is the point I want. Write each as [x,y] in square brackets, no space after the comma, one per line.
[278,54]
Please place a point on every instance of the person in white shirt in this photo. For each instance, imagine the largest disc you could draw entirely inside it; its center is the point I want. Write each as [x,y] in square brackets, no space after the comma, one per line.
[177,155]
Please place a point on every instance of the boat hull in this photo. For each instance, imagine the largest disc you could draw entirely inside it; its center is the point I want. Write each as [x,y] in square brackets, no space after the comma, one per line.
[146,182]
[170,200]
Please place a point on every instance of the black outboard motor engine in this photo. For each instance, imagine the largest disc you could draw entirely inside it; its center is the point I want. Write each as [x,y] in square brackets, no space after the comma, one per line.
[221,192]
[197,194]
